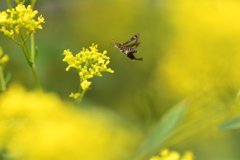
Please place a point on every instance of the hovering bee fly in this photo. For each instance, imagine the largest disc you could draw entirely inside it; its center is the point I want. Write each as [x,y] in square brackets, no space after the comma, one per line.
[129,49]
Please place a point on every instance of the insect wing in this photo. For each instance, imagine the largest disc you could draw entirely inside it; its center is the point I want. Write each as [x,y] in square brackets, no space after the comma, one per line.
[135,37]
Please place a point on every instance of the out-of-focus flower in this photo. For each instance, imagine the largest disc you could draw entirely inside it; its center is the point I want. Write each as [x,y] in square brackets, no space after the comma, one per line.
[3,58]
[205,57]
[40,126]
[75,95]
[172,155]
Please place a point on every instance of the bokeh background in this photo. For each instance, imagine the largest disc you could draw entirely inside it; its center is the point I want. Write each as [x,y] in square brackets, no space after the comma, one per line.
[191,50]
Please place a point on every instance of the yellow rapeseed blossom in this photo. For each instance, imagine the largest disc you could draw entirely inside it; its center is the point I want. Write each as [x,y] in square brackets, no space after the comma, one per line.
[13,20]
[75,95]
[172,155]
[88,63]
[37,126]
[85,84]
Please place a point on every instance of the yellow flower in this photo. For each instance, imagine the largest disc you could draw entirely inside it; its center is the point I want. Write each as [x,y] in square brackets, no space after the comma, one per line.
[12,20]
[88,63]
[198,63]
[44,127]
[3,17]
[172,155]
[88,60]
[75,95]
[85,84]
[3,58]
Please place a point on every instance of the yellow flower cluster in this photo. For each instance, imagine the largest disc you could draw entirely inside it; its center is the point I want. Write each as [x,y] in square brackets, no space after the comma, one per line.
[88,64]
[44,127]
[172,155]
[3,59]
[12,20]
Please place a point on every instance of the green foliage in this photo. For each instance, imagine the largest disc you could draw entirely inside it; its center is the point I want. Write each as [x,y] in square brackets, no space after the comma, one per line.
[162,131]
[230,124]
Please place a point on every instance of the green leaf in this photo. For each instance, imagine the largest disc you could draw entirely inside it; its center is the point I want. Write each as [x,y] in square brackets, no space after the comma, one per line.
[162,131]
[230,124]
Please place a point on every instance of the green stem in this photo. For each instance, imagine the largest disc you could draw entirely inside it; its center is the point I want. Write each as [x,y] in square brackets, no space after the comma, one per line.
[15,41]
[32,47]
[81,96]
[81,92]
[24,50]
[2,81]
[33,69]
[33,3]
[9,4]
[24,44]
[30,57]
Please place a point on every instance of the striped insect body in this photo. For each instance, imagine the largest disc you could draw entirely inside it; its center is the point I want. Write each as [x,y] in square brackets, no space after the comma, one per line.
[129,48]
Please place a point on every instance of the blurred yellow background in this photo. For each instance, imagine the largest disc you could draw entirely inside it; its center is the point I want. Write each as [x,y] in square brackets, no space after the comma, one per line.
[190,49]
